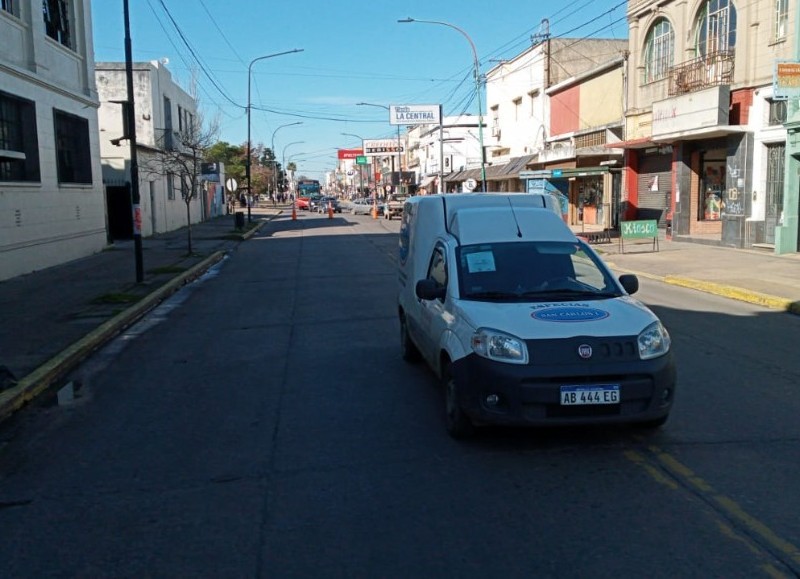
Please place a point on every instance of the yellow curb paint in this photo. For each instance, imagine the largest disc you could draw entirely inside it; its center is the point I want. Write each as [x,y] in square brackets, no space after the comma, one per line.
[732,292]
[641,461]
[45,375]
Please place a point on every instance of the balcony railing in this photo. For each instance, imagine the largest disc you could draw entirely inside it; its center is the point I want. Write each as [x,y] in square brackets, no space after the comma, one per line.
[713,69]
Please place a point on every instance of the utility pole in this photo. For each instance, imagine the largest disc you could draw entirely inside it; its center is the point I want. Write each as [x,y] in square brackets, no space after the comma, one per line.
[131,130]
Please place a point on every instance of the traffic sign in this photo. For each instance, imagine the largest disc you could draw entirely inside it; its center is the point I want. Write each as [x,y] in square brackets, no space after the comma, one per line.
[231,184]
[470,184]
[362,160]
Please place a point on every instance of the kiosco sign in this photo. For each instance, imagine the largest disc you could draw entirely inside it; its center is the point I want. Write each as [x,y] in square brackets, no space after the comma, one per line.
[414,114]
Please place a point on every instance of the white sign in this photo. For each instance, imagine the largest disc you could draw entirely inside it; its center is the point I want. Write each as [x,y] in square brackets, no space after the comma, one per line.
[414,114]
[470,184]
[381,147]
[231,185]
[706,108]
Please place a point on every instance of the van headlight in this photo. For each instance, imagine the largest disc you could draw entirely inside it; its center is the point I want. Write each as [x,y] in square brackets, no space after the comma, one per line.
[499,346]
[654,341]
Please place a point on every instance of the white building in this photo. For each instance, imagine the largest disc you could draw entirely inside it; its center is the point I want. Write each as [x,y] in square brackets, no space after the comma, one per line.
[163,111]
[51,192]
[450,149]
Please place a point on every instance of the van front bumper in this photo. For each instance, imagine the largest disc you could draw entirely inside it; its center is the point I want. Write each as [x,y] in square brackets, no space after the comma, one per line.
[498,393]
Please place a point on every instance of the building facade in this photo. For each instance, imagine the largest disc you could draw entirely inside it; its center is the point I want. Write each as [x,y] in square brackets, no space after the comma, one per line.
[164,111]
[51,192]
[701,114]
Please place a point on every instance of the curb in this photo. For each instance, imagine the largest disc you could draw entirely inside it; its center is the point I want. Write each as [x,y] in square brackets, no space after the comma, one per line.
[32,385]
[727,291]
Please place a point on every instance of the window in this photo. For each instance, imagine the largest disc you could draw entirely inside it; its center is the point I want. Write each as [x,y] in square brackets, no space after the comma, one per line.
[532,98]
[19,146]
[170,186]
[9,6]
[180,118]
[438,268]
[716,28]
[168,143]
[781,18]
[56,21]
[517,106]
[73,154]
[659,50]
[777,112]
[712,183]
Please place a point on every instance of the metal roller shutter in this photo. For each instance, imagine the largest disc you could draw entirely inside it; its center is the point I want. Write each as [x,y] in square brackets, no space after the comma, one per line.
[655,186]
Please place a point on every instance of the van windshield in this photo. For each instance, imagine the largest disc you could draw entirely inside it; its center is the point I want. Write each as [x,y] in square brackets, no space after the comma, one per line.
[532,271]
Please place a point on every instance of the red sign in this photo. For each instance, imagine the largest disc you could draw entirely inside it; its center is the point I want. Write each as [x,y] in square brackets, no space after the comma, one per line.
[349,153]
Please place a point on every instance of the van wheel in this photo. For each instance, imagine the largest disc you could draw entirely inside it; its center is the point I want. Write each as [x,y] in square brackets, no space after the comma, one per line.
[458,424]
[409,350]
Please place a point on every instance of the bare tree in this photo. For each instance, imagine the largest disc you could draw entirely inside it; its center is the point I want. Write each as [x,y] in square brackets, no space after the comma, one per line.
[180,153]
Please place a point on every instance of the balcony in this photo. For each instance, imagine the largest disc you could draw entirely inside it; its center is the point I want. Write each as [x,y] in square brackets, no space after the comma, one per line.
[713,69]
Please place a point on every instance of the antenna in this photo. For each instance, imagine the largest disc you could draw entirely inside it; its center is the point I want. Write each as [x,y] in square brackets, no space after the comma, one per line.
[511,205]
[543,34]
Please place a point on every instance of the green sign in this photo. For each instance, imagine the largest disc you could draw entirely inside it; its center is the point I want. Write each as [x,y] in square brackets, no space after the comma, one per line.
[361,160]
[639,229]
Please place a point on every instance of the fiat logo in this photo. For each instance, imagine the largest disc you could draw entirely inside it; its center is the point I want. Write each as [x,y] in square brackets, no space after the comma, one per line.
[585,351]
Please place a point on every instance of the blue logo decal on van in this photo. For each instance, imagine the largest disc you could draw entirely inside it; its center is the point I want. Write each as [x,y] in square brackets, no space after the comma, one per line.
[569,314]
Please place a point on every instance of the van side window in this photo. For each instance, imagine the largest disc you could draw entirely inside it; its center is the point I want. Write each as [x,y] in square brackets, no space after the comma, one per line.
[438,268]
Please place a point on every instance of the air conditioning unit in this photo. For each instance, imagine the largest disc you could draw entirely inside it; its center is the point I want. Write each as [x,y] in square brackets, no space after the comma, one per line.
[496,131]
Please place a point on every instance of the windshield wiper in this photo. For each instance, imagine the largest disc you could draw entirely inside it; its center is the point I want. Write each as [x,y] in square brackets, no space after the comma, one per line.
[492,295]
[569,292]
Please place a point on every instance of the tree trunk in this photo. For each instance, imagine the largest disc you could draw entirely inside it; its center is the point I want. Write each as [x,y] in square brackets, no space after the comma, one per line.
[189,226]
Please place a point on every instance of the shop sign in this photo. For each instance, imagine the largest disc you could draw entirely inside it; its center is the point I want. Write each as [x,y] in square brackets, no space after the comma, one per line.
[382,147]
[786,80]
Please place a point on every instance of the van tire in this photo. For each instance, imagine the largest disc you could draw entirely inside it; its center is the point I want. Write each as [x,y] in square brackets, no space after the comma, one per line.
[457,423]
[409,349]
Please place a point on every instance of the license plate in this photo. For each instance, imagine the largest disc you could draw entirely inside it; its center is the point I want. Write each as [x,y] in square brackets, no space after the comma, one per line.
[594,394]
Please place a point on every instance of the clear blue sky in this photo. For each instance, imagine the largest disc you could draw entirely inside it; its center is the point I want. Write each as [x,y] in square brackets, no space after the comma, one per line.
[352,52]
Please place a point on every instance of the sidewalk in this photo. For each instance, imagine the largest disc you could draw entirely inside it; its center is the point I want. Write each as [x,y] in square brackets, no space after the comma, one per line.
[755,276]
[53,319]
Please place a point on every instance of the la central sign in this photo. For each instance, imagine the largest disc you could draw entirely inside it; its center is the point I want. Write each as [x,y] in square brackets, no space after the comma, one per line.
[414,114]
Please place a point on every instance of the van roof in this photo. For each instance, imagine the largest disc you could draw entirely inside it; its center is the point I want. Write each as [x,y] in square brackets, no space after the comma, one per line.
[492,217]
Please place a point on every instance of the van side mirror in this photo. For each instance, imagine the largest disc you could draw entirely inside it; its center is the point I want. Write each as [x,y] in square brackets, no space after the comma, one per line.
[428,289]
[629,282]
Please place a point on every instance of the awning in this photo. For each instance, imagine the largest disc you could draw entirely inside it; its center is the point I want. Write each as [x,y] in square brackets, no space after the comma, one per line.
[427,180]
[465,174]
[642,143]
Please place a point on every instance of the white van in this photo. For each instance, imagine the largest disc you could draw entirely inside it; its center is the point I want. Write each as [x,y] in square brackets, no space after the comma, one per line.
[522,321]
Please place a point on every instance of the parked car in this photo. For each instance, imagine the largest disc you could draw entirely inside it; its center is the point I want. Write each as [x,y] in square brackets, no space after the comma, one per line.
[322,205]
[302,203]
[393,206]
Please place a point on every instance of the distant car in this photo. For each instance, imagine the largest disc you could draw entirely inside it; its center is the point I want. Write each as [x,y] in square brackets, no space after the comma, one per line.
[303,203]
[364,206]
[322,205]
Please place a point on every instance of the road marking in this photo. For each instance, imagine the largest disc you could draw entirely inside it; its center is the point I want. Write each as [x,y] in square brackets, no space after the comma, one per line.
[669,471]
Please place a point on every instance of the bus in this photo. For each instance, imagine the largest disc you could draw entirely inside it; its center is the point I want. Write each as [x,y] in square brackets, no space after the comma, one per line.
[308,188]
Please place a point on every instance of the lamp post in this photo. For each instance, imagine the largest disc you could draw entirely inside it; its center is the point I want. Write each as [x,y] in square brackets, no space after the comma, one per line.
[399,146]
[360,168]
[476,65]
[275,157]
[283,156]
[247,169]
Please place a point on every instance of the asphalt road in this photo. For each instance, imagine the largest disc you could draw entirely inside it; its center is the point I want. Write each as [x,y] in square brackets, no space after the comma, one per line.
[262,424]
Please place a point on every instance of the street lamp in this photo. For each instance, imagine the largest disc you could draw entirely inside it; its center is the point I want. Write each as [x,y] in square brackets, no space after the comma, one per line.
[283,156]
[399,146]
[249,70]
[477,66]
[360,168]
[275,157]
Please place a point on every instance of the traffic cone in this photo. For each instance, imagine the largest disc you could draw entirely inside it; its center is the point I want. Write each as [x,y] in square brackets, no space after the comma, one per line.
[330,210]
[374,211]
[294,211]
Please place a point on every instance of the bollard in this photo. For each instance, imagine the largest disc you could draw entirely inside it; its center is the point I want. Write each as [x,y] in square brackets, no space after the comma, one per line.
[294,212]
[330,210]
